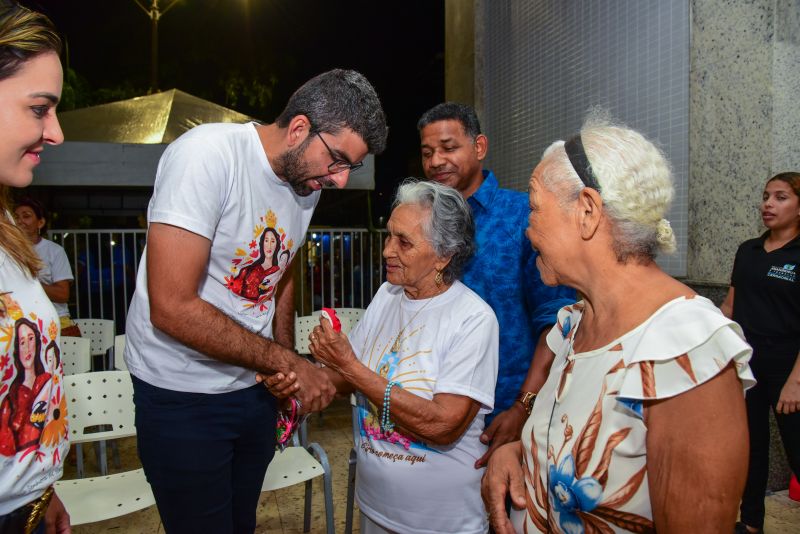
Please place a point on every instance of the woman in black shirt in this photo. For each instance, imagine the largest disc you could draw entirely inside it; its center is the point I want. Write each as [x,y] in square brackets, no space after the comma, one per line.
[764,298]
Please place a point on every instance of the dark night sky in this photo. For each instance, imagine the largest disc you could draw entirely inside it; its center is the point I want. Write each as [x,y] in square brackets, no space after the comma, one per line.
[398,45]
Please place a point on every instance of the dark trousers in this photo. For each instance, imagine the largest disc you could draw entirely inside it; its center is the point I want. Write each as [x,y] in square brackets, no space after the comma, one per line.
[205,455]
[771,364]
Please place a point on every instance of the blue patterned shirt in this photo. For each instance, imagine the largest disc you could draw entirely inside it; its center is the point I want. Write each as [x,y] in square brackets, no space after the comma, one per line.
[503,272]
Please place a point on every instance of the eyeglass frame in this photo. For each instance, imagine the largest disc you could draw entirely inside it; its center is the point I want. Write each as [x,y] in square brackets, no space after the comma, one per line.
[338,161]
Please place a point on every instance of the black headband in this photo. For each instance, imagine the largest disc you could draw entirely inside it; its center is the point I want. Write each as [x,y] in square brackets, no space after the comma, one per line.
[577,157]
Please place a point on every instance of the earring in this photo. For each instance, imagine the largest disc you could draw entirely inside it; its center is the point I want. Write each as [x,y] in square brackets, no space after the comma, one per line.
[438,279]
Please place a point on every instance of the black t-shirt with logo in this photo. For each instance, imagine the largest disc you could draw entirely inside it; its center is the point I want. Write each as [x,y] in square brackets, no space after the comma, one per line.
[767,289]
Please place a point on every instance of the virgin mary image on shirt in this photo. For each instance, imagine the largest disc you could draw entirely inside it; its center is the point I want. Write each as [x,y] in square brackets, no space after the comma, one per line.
[249,282]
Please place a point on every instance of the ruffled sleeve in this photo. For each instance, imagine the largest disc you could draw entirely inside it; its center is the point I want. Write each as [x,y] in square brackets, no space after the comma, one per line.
[685,344]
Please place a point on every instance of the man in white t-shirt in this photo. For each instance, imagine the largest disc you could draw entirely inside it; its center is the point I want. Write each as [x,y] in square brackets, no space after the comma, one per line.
[214,302]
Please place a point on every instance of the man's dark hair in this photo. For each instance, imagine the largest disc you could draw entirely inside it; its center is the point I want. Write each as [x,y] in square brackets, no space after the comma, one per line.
[340,99]
[452,111]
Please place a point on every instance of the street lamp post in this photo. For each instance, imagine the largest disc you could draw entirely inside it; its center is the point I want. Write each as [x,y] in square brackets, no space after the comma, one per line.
[154,13]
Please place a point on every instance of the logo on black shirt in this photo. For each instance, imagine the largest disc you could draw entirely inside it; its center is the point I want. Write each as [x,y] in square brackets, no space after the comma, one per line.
[787,272]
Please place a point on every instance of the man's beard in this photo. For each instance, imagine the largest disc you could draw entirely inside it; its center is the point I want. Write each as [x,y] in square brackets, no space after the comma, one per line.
[292,168]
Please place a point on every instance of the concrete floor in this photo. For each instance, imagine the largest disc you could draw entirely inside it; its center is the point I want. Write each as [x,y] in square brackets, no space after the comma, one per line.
[281,511]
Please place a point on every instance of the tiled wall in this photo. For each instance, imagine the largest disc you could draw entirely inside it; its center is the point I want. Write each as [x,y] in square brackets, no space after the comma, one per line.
[546,62]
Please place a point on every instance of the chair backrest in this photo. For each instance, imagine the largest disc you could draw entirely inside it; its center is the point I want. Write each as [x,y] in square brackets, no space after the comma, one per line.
[99,331]
[76,356]
[303,327]
[353,315]
[119,353]
[103,399]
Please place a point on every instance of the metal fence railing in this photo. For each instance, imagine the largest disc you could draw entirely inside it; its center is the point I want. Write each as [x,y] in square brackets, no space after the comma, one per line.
[336,267]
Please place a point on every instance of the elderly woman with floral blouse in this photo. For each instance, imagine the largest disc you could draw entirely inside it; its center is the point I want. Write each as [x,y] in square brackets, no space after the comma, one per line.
[641,424]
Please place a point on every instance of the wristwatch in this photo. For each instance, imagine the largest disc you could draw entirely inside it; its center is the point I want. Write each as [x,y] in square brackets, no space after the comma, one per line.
[526,398]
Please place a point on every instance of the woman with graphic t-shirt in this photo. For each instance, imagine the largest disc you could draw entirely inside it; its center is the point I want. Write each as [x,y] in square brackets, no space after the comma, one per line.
[423,363]
[764,298]
[33,430]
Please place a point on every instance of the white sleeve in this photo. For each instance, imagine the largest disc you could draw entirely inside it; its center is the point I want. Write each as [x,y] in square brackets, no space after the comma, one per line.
[59,266]
[469,365]
[191,187]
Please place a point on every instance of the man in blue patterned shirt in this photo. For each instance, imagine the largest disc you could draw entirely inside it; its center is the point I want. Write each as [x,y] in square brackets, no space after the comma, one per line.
[503,270]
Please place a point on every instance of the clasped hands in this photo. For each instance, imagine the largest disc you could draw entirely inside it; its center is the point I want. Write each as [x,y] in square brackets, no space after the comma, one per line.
[309,383]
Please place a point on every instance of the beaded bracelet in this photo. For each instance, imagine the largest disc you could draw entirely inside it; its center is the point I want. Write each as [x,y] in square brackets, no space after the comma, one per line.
[386,424]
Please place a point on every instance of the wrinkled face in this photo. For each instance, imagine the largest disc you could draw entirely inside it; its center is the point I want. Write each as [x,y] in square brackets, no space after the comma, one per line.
[305,167]
[28,117]
[780,206]
[410,259]
[451,157]
[27,346]
[548,228]
[28,222]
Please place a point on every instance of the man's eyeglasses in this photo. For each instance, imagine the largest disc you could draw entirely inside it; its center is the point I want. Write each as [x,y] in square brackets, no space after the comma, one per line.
[339,164]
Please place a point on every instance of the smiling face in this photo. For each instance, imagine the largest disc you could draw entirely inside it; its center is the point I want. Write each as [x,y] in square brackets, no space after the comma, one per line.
[549,228]
[451,157]
[28,117]
[28,222]
[305,167]
[411,261]
[780,206]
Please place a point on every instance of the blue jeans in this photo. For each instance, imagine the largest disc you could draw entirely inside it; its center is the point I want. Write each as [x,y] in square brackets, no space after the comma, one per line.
[205,455]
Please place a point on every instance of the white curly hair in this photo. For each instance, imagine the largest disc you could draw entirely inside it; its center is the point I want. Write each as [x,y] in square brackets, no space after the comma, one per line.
[635,184]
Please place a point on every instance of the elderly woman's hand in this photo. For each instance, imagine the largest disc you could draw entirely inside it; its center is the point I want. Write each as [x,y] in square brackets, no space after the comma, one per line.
[331,347]
[503,477]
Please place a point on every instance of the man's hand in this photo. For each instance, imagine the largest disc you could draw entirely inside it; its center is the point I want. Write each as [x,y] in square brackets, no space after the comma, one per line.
[56,518]
[314,389]
[281,385]
[503,477]
[505,428]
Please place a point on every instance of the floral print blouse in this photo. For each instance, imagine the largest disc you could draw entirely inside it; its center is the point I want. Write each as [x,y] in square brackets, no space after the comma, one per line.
[584,444]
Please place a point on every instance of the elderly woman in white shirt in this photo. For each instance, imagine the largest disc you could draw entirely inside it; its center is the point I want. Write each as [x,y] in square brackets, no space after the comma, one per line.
[423,363]
[645,395]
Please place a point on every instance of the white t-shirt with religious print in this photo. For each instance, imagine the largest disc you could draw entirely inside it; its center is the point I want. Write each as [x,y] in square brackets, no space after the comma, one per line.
[33,409]
[55,268]
[445,344]
[590,414]
[215,181]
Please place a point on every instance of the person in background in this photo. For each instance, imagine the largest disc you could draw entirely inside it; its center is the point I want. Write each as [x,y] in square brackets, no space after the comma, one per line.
[503,269]
[764,298]
[205,430]
[31,459]
[645,396]
[56,274]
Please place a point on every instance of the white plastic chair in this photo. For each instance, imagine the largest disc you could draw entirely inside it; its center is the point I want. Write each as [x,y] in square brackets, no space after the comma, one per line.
[100,332]
[351,467]
[119,350]
[302,462]
[76,356]
[304,325]
[102,400]
[353,315]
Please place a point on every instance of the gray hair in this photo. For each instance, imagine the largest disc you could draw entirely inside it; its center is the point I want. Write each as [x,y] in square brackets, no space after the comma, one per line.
[449,227]
[635,184]
[340,99]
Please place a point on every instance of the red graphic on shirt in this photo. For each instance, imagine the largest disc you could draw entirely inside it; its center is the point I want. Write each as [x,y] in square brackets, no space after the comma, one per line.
[29,377]
[255,274]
